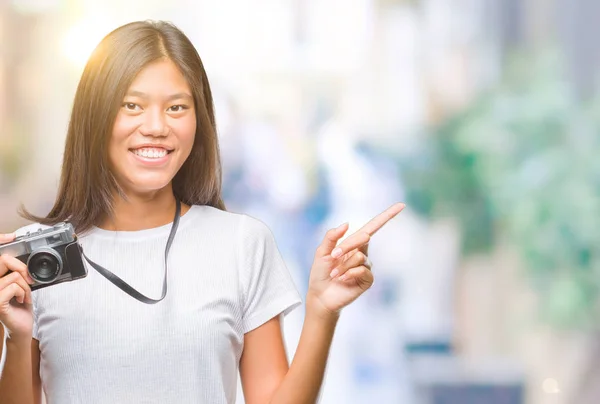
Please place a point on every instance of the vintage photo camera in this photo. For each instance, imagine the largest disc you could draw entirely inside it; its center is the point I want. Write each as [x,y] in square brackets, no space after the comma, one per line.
[52,255]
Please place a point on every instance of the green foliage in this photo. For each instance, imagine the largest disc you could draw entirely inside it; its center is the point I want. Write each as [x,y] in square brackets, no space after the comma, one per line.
[523,162]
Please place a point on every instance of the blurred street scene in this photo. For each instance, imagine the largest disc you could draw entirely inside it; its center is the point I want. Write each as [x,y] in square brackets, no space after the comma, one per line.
[482,116]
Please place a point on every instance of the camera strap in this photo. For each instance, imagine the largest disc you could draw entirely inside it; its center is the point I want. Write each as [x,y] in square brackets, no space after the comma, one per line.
[121,284]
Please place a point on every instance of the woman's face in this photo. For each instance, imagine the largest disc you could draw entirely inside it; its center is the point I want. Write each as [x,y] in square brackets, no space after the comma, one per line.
[154,130]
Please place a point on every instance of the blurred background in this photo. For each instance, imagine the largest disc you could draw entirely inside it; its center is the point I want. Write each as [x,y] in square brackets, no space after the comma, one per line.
[481,115]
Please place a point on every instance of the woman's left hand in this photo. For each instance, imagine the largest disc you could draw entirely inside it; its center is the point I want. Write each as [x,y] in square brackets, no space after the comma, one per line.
[341,274]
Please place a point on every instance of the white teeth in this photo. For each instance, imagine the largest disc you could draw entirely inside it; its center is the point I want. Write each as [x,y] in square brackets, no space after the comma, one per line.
[150,152]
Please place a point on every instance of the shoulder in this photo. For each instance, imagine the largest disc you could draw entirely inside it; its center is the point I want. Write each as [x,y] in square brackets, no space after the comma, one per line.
[246,233]
[243,224]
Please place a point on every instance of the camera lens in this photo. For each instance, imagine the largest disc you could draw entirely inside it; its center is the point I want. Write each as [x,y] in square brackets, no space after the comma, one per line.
[44,266]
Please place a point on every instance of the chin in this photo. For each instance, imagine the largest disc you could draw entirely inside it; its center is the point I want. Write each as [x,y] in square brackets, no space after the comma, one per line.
[147,186]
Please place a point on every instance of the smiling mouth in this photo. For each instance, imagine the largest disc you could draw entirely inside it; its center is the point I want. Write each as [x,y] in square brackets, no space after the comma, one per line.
[151,152]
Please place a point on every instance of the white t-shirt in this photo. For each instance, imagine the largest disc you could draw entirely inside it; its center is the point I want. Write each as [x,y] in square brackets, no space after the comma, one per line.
[98,345]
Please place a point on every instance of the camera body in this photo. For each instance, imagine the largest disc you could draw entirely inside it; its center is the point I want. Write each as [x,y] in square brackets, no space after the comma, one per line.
[52,255]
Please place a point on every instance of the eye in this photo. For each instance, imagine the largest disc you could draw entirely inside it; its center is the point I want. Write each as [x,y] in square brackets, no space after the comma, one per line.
[178,108]
[130,106]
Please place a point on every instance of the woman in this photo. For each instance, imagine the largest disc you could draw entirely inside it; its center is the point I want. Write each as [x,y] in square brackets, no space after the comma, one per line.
[141,147]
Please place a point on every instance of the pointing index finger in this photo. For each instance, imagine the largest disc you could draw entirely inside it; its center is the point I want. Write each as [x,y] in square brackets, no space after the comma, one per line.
[381,219]
[361,237]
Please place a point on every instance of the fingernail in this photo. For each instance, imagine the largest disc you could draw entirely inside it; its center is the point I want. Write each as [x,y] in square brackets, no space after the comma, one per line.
[343,277]
[336,252]
[334,273]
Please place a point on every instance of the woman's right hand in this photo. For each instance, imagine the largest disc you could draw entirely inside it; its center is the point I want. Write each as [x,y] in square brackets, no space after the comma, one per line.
[16,312]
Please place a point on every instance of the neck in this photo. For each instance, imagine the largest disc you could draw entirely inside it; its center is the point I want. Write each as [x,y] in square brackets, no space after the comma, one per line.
[140,212]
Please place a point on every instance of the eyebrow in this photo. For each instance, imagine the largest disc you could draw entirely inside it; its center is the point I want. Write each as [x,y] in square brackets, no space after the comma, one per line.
[171,97]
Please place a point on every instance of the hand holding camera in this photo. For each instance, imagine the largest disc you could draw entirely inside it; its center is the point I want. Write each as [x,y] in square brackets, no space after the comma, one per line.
[33,261]
[15,294]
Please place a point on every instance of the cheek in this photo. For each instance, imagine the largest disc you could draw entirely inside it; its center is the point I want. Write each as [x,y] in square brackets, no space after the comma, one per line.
[116,147]
[123,127]
[187,133]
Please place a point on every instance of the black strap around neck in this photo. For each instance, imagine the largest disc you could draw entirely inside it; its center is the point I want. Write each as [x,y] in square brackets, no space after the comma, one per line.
[121,284]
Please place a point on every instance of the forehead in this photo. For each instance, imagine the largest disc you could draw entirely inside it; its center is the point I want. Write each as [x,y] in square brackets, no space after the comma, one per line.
[160,77]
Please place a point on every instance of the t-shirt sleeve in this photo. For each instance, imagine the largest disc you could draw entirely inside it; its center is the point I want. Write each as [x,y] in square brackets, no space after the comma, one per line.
[268,289]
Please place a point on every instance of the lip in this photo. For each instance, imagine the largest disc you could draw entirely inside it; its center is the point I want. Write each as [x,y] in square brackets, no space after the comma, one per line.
[152,146]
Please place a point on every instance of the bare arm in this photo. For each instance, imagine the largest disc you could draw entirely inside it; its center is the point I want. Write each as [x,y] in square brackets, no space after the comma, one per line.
[264,371]
[339,275]
[20,378]
[263,364]
[303,381]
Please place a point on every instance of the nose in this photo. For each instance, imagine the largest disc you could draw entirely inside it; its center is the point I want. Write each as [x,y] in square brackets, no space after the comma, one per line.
[154,123]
